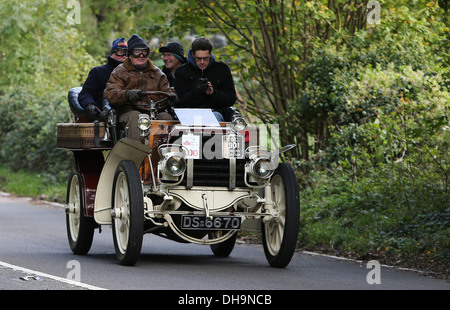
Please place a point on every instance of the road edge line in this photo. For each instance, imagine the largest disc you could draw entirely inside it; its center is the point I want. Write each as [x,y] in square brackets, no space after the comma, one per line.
[362,262]
[46,275]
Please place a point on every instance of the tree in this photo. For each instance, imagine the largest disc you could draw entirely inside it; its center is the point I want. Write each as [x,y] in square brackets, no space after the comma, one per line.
[40,50]
[102,21]
[289,55]
[41,58]
[271,43]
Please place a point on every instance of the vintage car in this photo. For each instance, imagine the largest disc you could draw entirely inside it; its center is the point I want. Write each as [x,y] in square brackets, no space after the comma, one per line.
[190,180]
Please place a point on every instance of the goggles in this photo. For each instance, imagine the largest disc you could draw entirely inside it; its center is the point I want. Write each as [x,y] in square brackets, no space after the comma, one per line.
[120,52]
[138,52]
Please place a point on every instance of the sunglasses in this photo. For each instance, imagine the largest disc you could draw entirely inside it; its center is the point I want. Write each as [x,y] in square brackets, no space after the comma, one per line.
[200,59]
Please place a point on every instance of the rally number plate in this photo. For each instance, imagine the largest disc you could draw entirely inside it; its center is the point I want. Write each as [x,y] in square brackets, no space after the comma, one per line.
[195,222]
[233,146]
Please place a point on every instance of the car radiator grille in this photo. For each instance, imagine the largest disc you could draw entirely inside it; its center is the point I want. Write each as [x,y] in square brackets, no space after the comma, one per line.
[214,172]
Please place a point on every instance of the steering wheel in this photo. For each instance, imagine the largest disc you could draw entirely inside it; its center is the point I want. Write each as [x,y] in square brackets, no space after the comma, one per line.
[159,93]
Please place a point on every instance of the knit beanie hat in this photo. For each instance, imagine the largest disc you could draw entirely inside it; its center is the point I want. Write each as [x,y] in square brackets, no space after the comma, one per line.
[119,43]
[136,41]
[176,49]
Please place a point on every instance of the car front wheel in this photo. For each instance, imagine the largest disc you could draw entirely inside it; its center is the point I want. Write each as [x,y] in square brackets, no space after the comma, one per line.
[280,233]
[127,213]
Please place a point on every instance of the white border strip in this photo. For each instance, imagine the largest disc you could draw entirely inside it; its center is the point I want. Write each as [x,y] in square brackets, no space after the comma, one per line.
[45,275]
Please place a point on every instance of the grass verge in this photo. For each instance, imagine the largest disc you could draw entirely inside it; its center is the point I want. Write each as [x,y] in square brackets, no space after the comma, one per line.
[396,222]
[29,184]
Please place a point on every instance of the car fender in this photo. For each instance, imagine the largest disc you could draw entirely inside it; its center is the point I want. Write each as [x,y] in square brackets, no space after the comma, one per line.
[125,149]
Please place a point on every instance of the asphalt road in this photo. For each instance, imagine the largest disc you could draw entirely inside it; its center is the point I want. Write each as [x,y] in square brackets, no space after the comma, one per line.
[34,255]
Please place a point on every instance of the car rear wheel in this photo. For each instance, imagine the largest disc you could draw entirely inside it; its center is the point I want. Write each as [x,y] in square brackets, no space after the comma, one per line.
[127,213]
[280,233]
[80,228]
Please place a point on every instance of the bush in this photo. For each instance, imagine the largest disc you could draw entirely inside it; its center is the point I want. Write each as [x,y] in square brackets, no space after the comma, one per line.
[380,187]
[28,133]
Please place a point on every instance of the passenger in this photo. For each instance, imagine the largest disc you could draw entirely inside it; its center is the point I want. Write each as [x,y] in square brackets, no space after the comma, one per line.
[173,57]
[124,89]
[91,95]
[204,82]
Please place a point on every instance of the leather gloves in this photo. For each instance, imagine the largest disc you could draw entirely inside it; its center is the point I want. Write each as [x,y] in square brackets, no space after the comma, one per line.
[172,100]
[133,95]
[92,111]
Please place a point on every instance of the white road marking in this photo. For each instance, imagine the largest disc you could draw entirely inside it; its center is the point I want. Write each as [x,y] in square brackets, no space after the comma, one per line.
[45,275]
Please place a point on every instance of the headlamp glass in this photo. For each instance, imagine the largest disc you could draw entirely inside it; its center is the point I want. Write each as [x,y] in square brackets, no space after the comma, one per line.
[175,165]
[263,168]
[239,123]
[144,122]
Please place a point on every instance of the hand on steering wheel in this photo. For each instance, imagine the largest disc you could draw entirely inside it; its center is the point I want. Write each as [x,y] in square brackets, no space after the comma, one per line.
[163,103]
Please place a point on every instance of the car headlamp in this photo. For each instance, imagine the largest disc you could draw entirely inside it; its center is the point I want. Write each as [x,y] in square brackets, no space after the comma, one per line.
[238,122]
[144,124]
[261,164]
[261,168]
[174,164]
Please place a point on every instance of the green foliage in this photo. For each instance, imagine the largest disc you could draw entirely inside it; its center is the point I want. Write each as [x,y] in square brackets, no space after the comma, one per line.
[372,188]
[102,21]
[28,133]
[40,48]
[42,58]
[382,215]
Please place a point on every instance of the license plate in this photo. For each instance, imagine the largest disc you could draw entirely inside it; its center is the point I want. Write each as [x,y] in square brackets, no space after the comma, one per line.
[232,146]
[196,222]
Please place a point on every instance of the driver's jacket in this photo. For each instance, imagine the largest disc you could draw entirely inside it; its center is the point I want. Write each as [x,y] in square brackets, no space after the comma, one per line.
[125,77]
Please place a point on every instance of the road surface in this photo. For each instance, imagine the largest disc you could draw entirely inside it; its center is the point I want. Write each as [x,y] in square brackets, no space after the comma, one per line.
[35,255]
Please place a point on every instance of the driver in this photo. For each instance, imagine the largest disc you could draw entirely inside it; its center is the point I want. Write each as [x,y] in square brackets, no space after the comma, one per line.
[137,74]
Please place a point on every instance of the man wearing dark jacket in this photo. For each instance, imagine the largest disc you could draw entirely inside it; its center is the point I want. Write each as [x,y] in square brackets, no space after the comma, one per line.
[173,57]
[204,82]
[91,95]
